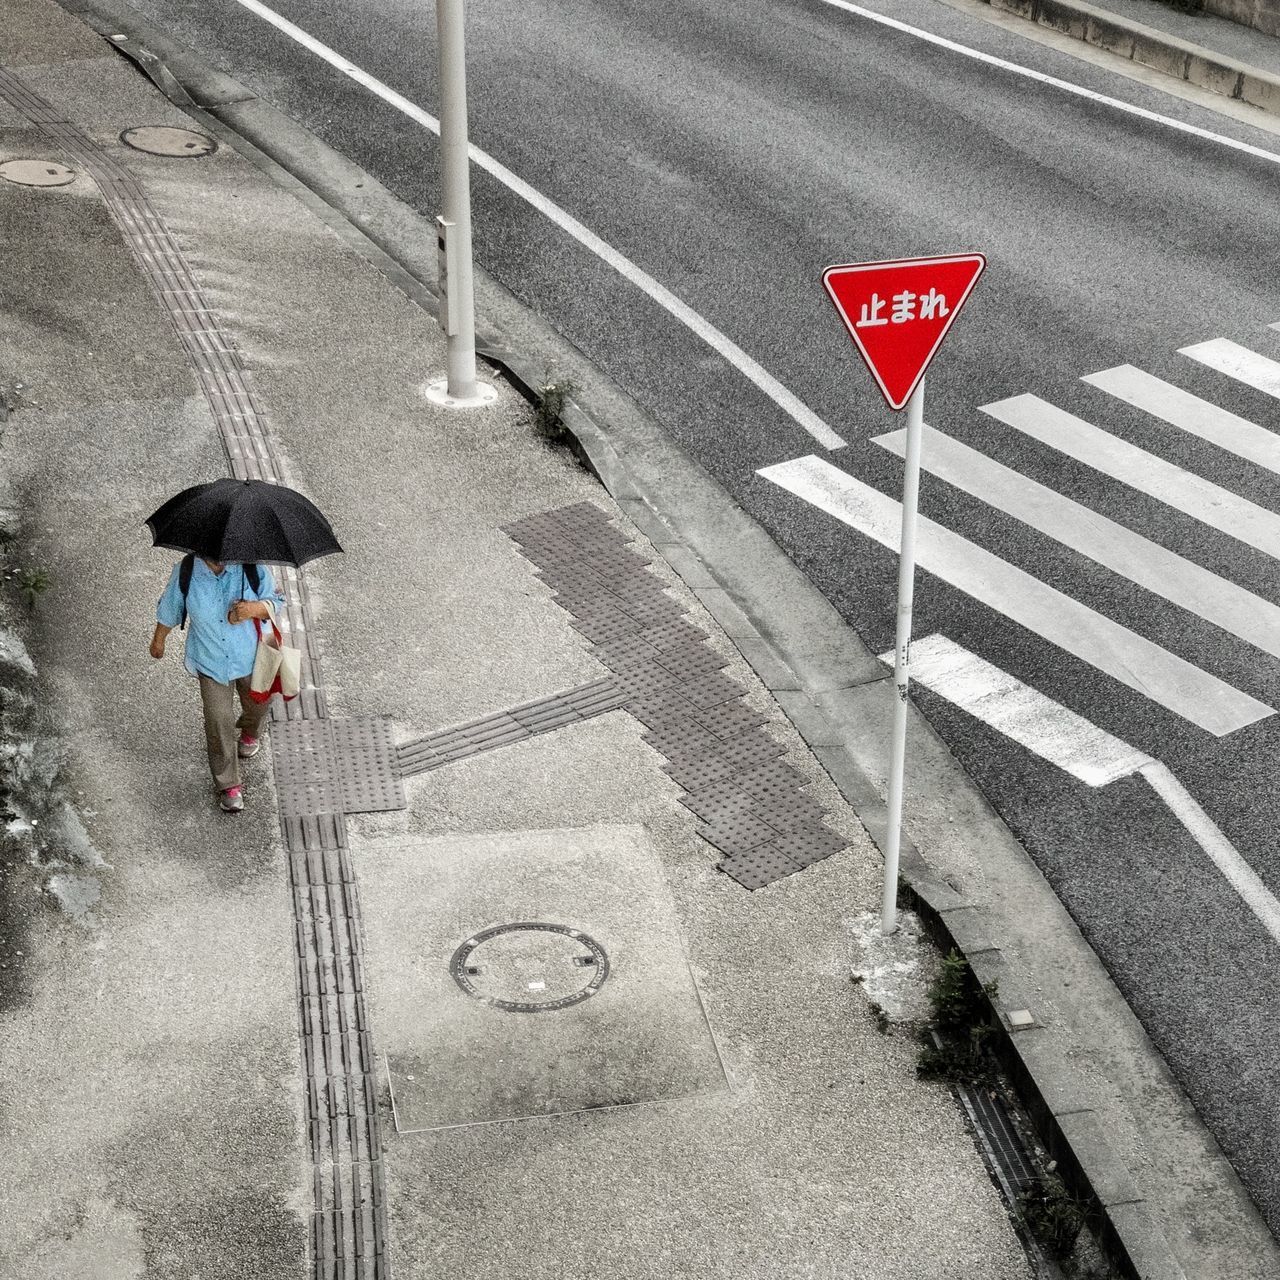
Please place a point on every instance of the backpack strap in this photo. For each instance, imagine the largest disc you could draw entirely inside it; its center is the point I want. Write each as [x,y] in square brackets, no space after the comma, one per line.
[185,569]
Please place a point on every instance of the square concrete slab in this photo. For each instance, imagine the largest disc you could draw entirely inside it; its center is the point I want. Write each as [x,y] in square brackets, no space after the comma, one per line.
[529,974]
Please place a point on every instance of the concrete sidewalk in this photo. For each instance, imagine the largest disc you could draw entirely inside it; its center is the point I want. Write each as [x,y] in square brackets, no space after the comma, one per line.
[200,1043]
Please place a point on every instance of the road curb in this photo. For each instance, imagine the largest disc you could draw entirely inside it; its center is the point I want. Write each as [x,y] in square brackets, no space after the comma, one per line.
[1150,47]
[790,635]
[1063,1116]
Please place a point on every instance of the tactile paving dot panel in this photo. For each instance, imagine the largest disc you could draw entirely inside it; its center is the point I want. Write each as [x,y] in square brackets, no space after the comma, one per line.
[698,771]
[646,680]
[672,682]
[729,720]
[719,801]
[336,766]
[612,627]
[626,654]
[306,776]
[662,708]
[368,769]
[680,741]
[673,635]
[772,779]
[759,867]
[597,614]
[692,661]
[809,844]
[736,833]
[710,690]
[309,799]
[786,813]
[749,750]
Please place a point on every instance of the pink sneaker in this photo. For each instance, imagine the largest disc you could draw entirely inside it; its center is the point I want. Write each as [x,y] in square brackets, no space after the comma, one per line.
[231,800]
[247,747]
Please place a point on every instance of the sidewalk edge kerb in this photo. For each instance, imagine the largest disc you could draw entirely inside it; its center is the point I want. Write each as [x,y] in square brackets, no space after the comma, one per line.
[1133,1238]
[1149,47]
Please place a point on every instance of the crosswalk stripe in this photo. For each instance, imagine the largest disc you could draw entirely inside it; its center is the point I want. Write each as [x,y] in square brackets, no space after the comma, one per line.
[1237,362]
[1209,503]
[1159,570]
[1071,742]
[1020,712]
[1199,417]
[1157,674]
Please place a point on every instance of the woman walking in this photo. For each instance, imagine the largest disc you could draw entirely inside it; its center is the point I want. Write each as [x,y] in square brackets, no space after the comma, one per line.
[228,527]
[221,601]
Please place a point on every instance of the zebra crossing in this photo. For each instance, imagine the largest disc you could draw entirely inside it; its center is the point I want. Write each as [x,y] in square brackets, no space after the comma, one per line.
[1199,696]
[1095,757]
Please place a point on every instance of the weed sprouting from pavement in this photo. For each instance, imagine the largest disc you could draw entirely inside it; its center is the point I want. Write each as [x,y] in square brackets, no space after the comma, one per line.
[957,1044]
[33,583]
[549,412]
[1052,1214]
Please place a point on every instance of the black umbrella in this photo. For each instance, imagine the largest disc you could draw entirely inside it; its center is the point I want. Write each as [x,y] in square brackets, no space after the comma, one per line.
[243,522]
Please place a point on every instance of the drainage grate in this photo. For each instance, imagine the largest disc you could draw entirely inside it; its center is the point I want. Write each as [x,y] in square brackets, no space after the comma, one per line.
[1005,1155]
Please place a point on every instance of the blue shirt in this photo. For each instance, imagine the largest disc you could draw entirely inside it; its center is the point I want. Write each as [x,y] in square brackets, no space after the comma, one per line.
[215,647]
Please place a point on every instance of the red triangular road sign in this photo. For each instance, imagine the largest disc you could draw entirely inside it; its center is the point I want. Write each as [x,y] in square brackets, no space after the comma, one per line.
[898,313]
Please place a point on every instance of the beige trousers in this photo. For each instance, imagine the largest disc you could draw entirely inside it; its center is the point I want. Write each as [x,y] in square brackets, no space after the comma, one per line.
[220,726]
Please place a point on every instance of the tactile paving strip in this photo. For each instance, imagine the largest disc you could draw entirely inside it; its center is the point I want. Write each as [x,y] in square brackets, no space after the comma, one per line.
[336,766]
[515,725]
[749,800]
[348,1234]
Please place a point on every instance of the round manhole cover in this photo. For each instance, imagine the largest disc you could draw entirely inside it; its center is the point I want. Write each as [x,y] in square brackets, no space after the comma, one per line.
[530,967]
[37,173]
[165,140]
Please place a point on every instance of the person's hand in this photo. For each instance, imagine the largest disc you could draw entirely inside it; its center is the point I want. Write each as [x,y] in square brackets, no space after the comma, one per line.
[242,611]
[157,646]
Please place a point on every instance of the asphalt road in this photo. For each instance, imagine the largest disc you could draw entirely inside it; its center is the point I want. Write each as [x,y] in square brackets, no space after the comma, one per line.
[733,151]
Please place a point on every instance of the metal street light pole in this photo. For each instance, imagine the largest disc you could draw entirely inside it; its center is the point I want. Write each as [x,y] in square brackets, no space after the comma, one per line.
[457,297]
[902,657]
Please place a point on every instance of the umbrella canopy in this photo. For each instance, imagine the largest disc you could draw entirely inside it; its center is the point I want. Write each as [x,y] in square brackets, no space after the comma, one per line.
[243,522]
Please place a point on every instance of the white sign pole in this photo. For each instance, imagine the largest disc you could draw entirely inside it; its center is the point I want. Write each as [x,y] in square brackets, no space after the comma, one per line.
[902,657]
[453,227]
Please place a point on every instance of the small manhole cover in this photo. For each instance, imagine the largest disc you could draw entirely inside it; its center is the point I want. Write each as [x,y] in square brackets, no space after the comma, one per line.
[165,140]
[37,173]
[530,967]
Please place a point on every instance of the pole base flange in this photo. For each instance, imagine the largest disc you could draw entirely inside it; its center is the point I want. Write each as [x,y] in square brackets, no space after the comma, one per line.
[437,391]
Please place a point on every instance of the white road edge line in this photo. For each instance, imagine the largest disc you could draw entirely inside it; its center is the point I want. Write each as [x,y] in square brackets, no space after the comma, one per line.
[1065,85]
[786,400]
[1057,734]
[1222,853]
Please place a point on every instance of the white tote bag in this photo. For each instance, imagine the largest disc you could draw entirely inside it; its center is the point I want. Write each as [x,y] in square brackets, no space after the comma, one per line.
[277,667]
[290,674]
